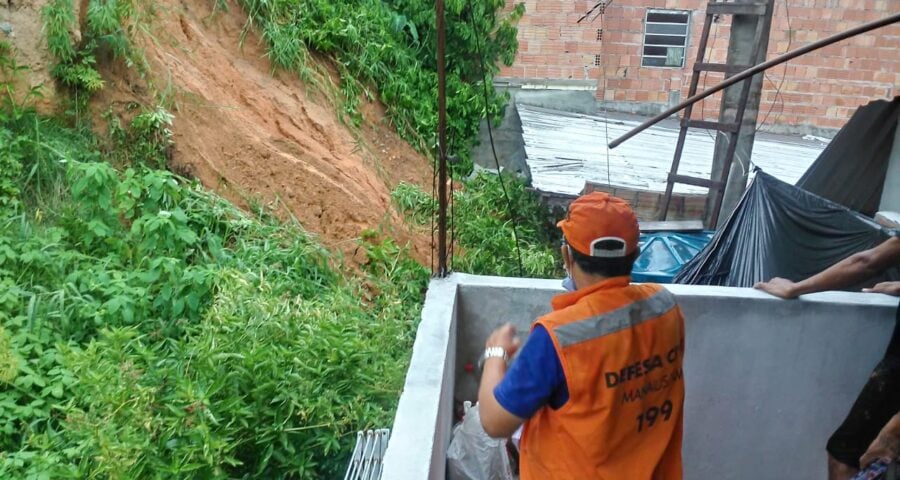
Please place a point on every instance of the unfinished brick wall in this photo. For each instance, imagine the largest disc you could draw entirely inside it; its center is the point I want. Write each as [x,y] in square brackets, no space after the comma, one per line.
[821,89]
[552,45]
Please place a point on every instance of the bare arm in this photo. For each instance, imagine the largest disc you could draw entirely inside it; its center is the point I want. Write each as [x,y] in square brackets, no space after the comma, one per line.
[886,446]
[496,420]
[849,271]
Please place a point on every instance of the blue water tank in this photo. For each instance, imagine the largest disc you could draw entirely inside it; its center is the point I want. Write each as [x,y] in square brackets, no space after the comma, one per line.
[663,254]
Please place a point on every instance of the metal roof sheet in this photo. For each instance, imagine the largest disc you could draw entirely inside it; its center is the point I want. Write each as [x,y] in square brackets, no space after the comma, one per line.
[566,149]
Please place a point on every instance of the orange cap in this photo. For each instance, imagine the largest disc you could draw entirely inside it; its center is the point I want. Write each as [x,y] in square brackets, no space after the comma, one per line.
[600,225]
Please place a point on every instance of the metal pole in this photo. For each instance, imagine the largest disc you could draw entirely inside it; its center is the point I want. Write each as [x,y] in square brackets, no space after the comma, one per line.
[747,45]
[443,270]
[757,69]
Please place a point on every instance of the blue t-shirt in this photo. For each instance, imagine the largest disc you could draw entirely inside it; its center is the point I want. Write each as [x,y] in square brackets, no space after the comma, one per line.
[535,378]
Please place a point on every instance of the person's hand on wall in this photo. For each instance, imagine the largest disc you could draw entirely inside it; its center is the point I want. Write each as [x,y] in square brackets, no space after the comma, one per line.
[886,446]
[889,288]
[506,338]
[780,287]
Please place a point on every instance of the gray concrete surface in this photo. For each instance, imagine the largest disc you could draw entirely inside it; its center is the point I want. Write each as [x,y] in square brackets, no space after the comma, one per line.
[767,379]
[507,135]
[579,96]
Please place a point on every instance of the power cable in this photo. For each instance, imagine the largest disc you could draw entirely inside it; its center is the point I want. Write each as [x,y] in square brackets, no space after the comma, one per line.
[705,75]
[487,116]
[602,4]
[452,219]
[787,14]
[434,213]
[605,112]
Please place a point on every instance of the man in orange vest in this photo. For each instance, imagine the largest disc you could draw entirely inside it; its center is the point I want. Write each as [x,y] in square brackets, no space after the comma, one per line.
[599,382]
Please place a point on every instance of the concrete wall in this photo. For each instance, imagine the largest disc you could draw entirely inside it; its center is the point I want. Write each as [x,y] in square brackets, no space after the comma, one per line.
[422,427]
[767,380]
[508,142]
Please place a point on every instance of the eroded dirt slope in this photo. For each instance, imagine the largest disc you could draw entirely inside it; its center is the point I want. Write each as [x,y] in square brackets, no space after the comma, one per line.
[252,134]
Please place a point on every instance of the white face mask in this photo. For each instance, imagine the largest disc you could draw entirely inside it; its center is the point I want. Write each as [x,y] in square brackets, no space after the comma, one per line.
[567,282]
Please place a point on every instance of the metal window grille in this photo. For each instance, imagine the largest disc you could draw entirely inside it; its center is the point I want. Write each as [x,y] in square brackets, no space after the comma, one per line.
[368,455]
[665,38]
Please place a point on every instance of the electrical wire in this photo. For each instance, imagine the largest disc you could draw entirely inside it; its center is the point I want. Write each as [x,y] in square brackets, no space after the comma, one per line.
[603,105]
[705,75]
[487,115]
[602,4]
[778,95]
[452,220]
[434,181]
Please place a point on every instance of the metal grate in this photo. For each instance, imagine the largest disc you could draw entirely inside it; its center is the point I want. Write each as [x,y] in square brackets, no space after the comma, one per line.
[665,38]
[368,454]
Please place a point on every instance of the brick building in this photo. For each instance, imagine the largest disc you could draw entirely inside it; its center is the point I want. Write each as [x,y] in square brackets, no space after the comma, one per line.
[639,54]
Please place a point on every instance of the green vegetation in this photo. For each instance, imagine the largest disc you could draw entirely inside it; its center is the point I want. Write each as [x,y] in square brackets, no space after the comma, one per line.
[105,32]
[386,48]
[151,329]
[483,226]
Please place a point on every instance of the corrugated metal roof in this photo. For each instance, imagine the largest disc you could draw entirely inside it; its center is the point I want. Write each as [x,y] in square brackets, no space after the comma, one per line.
[566,149]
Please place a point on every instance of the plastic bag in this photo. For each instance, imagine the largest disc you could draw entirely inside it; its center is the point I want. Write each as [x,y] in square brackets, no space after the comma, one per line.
[879,471]
[779,230]
[473,455]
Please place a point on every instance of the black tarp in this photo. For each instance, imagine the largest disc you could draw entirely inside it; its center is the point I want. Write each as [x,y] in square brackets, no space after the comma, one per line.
[779,230]
[852,169]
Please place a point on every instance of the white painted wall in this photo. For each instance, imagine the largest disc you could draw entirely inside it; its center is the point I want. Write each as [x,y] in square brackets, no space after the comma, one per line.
[768,380]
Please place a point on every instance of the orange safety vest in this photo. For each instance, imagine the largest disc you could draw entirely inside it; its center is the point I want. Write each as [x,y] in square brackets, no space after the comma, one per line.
[621,347]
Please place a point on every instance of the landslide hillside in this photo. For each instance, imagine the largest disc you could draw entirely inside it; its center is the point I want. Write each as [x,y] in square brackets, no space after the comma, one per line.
[244,128]
[205,207]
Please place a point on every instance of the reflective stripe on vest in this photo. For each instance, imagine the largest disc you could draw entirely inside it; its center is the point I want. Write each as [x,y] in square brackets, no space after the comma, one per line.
[616,320]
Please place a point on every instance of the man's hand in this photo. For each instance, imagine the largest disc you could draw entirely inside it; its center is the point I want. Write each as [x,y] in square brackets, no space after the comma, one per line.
[780,287]
[889,288]
[886,446]
[496,420]
[506,338]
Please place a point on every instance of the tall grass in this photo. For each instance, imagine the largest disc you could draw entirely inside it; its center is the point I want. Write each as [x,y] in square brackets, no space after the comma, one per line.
[388,48]
[483,226]
[151,329]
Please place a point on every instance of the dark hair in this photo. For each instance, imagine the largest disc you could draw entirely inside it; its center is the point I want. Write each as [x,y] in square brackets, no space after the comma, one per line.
[605,267]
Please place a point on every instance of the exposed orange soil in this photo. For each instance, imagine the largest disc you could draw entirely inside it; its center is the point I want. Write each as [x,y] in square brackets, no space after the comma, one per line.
[252,134]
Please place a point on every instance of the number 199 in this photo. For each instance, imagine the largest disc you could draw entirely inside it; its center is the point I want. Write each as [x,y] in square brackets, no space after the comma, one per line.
[652,414]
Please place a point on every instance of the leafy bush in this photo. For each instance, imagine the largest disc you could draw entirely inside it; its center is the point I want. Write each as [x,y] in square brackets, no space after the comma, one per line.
[151,329]
[483,226]
[418,206]
[390,47]
[484,223]
[146,141]
[105,32]
[10,161]
[10,168]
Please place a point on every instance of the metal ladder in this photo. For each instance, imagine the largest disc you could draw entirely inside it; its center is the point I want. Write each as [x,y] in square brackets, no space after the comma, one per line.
[763,10]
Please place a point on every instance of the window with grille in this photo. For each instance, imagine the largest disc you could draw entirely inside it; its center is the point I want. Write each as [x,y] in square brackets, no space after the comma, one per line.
[665,38]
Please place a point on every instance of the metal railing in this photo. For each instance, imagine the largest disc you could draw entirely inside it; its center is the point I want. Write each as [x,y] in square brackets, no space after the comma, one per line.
[366,463]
